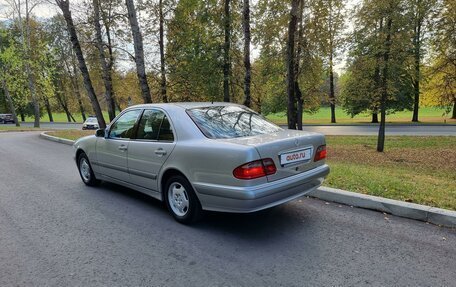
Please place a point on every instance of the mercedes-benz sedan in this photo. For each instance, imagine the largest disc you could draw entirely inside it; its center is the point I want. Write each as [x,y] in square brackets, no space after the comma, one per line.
[203,156]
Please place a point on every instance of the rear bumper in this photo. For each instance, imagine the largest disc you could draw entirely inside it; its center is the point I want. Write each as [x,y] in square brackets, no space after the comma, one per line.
[250,199]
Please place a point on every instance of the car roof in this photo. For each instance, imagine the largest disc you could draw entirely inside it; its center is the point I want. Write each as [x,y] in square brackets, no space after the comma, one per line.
[186,105]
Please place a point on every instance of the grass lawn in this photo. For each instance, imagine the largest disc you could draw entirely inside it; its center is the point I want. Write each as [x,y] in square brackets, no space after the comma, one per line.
[323,116]
[62,118]
[413,169]
[12,128]
[71,134]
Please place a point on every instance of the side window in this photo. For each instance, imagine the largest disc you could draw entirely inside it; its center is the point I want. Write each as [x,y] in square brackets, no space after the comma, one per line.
[154,125]
[166,132]
[123,128]
[149,126]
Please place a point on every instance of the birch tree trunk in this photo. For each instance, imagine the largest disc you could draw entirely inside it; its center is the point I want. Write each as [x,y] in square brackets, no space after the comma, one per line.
[226,53]
[77,91]
[106,72]
[64,5]
[25,38]
[297,68]
[48,108]
[139,52]
[162,54]
[247,65]
[417,61]
[291,107]
[332,96]
[384,97]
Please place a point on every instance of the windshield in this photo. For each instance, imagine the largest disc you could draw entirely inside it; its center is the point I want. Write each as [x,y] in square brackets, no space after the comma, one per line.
[230,122]
[92,120]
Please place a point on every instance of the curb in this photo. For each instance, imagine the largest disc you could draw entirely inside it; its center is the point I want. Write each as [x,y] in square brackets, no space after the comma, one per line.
[399,208]
[395,207]
[56,139]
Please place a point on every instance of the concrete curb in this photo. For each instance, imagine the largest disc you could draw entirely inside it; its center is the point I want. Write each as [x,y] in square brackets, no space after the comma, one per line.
[395,207]
[56,139]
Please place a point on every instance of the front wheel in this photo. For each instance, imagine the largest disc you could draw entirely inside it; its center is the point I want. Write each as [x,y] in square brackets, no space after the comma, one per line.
[85,171]
[181,200]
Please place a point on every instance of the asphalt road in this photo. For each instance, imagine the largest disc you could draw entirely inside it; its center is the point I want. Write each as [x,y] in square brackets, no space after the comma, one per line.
[55,231]
[414,130]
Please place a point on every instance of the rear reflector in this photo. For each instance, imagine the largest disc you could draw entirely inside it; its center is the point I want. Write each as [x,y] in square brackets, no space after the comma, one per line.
[321,153]
[255,169]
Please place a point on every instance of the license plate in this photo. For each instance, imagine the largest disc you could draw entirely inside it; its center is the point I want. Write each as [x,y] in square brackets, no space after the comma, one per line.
[295,156]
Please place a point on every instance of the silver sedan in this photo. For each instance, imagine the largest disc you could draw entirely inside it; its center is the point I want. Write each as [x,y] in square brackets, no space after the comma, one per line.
[203,156]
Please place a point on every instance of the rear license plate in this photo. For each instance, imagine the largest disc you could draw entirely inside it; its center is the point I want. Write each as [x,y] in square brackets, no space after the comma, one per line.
[295,156]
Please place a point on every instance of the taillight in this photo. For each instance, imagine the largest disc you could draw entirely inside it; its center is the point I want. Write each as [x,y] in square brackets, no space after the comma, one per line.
[321,153]
[255,169]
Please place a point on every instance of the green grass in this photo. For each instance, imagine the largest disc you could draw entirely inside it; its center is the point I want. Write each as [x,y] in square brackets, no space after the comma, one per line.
[323,116]
[71,134]
[10,128]
[412,169]
[61,117]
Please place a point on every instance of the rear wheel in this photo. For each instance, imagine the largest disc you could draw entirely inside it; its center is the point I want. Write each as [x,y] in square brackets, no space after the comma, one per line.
[85,171]
[181,200]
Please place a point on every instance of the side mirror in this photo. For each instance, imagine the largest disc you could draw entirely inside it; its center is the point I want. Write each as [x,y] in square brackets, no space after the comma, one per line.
[100,133]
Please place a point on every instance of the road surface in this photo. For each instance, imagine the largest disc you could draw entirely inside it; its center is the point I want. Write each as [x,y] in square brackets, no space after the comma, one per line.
[413,130]
[55,231]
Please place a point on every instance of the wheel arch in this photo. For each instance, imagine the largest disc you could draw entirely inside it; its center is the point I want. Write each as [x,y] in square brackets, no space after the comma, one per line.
[169,173]
[79,151]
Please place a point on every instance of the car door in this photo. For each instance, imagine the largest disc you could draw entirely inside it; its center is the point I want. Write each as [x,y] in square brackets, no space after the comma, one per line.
[112,150]
[154,142]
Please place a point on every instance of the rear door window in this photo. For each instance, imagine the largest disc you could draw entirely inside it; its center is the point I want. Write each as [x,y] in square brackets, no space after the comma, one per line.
[154,125]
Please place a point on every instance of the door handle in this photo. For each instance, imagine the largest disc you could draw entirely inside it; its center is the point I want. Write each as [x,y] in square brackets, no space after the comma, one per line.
[123,147]
[160,152]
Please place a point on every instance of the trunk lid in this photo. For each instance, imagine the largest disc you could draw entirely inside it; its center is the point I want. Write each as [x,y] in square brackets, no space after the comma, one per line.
[292,151]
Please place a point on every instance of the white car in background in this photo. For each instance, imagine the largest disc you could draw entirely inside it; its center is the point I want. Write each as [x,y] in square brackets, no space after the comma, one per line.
[91,123]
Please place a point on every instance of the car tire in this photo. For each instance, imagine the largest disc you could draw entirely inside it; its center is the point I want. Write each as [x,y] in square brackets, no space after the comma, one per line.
[181,200]
[85,171]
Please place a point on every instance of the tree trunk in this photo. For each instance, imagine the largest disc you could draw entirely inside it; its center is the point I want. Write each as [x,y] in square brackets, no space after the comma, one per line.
[300,107]
[226,53]
[65,7]
[247,65]
[75,83]
[381,131]
[416,80]
[9,101]
[332,96]
[62,101]
[454,109]
[297,66]
[375,118]
[25,38]
[291,107]
[22,117]
[162,54]
[139,52]
[48,108]
[106,73]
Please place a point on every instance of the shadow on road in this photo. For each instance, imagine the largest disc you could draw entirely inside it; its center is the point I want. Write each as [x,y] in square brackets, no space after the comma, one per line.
[261,227]
[265,225]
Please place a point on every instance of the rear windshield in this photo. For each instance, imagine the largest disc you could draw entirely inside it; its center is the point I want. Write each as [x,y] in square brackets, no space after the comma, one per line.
[221,122]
